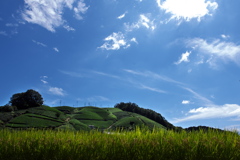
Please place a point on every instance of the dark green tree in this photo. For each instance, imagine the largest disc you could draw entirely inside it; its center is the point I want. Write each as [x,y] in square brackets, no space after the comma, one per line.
[25,100]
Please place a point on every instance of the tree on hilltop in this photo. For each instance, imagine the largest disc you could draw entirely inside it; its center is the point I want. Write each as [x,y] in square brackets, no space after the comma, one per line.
[30,98]
[157,117]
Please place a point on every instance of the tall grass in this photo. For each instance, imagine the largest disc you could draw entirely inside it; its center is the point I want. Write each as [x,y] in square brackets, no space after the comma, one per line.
[137,145]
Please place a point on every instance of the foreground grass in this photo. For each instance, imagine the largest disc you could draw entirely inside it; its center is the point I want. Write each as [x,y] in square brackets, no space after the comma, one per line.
[139,144]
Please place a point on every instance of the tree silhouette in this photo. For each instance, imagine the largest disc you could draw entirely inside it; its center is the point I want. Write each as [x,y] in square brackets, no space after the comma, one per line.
[25,100]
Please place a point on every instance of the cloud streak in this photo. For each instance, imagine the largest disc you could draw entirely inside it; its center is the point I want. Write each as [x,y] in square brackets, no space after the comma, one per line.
[39,43]
[152,89]
[105,74]
[153,75]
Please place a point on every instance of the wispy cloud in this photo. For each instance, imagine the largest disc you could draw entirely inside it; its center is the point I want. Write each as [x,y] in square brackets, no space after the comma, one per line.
[80,9]
[73,74]
[144,21]
[68,28]
[87,73]
[39,43]
[216,50]
[209,111]
[43,79]
[203,99]
[152,89]
[224,36]
[187,9]
[106,74]
[153,75]
[48,14]
[212,111]
[184,58]
[3,33]
[12,25]
[56,49]
[56,91]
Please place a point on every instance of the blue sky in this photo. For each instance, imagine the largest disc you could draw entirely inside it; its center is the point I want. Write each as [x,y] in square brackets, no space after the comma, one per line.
[180,58]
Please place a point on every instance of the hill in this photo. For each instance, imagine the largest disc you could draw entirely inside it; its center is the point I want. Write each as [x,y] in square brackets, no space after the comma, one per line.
[70,118]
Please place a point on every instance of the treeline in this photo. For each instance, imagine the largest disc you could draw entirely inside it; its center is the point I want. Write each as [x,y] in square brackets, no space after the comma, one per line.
[157,117]
[203,128]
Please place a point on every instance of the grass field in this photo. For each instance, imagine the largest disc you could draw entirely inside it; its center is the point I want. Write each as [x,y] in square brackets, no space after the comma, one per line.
[138,145]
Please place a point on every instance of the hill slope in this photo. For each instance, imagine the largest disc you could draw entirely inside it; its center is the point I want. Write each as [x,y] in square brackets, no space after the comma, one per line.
[70,118]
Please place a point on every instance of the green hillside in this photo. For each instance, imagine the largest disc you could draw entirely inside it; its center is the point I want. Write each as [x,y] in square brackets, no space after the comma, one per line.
[74,119]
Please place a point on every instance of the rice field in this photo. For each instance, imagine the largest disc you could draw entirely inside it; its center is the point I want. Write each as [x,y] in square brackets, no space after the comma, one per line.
[118,145]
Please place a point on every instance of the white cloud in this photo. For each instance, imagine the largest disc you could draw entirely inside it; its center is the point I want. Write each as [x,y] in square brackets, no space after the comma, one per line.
[39,43]
[184,58]
[216,50]
[122,16]
[187,9]
[186,102]
[56,91]
[212,111]
[134,40]
[225,36]
[80,9]
[55,49]
[48,14]
[143,21]
[114,42]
